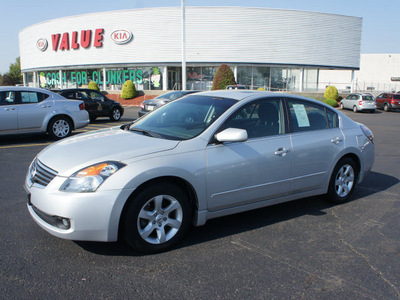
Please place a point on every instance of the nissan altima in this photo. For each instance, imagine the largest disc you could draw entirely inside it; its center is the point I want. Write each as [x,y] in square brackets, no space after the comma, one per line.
[150,180]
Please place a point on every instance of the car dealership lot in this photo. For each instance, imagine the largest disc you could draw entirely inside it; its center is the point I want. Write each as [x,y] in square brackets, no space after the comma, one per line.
[303,249]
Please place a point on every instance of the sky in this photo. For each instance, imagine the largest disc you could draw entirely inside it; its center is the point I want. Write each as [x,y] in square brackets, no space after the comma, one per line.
[380,31]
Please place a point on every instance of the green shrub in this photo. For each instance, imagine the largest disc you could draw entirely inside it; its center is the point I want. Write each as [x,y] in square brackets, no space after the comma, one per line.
[128,90]
[93,86]
[331,102]
[331,92]
[223,77]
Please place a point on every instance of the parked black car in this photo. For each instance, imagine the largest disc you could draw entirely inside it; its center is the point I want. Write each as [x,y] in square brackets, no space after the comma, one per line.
[97,104]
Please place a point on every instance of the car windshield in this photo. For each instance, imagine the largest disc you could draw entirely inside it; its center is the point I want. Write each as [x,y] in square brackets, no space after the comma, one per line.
[171,95]
[183,119]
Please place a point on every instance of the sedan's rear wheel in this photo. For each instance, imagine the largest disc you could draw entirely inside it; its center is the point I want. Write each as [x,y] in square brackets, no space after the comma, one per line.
[157,218]
[355,109]
[59,128]
[343,180]
[115,114]
[341,105]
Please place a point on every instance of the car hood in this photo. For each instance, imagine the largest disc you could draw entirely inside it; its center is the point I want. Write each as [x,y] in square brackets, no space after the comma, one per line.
[114,144]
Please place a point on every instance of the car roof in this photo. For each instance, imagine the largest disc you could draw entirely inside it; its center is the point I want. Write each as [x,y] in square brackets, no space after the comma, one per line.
[235,94]
[362,94]
[76,89]
[24,88]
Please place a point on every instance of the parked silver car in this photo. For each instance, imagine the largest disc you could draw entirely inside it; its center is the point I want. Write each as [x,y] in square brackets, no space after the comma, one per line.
[359,102]
[150,180]
[28,110]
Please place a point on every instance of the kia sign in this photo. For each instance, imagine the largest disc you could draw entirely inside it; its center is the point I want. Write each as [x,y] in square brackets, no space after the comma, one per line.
[42,44]
[121,36]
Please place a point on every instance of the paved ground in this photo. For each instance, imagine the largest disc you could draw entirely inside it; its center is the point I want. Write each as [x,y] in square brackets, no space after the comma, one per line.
[305,249]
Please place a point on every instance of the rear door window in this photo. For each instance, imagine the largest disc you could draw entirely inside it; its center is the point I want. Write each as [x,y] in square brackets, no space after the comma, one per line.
[32,97]
[307,116]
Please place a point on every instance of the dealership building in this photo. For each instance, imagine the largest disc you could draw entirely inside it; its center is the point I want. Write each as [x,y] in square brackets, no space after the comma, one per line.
[273,49]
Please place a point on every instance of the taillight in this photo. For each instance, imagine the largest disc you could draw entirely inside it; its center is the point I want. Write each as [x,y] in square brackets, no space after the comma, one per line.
[142,105]
[368,133]
[82,106]
[392,101]
[360,103]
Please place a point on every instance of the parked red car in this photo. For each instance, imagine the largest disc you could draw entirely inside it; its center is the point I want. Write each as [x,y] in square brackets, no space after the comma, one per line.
[388,101]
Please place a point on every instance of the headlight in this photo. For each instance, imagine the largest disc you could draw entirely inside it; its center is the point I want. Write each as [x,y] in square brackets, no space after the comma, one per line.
[89,179]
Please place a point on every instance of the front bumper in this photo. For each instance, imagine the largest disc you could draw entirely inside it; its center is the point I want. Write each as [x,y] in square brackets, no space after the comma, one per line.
[76,216]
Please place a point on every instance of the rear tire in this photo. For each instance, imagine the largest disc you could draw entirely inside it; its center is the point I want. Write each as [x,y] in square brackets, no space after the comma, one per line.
[157,218]
[59,128]
[343,181]
[355,109]
[341,106]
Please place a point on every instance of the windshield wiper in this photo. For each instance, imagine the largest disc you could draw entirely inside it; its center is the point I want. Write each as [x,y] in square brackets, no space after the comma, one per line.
[145,132]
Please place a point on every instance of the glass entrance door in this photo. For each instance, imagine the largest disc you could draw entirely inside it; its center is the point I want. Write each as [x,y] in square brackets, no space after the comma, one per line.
[174,79]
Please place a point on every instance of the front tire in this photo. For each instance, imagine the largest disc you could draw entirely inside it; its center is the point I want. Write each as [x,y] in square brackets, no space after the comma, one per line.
[157,218]
[59,127]
[115,114]
[343,181]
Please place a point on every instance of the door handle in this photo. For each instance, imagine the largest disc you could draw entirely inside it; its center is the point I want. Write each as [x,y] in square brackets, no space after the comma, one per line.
[9,108]
[46,106]
[281,152]
[336,140]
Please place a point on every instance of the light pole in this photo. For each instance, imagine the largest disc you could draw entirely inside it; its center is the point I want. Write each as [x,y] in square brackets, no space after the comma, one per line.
[183,3]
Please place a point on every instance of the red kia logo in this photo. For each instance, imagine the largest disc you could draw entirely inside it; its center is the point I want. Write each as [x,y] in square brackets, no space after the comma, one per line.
[41,44]
[121,36]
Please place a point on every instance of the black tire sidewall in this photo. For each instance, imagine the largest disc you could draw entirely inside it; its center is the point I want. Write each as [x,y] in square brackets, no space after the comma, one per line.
[130,229]
[332,195]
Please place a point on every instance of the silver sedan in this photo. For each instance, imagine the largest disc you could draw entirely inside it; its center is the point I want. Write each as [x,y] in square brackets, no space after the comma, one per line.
[150,180]
[29,110]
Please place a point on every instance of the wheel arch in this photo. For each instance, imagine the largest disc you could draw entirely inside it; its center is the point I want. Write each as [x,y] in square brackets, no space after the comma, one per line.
[356,160]
[62,116]
[178,181]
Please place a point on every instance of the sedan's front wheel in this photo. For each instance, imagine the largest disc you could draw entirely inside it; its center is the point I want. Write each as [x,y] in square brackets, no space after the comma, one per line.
[343,180]
[157,218]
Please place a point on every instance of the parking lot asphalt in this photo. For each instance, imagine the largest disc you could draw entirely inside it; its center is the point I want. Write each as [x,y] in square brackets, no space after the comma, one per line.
[305,249]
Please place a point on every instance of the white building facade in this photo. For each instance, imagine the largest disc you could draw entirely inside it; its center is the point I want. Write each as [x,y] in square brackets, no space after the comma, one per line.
[378,73]
[272,49]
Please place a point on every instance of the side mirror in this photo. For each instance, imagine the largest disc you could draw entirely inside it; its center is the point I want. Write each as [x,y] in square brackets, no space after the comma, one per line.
[232,135]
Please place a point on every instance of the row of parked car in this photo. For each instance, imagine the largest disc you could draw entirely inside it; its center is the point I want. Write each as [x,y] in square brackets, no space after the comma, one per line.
[32,110]
[366,102]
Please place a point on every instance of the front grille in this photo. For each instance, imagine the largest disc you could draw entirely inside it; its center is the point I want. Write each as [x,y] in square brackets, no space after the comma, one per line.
[41,174]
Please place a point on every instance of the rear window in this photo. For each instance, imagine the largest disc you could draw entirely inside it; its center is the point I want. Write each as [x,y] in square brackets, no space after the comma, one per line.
[368,98]
[397,97]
